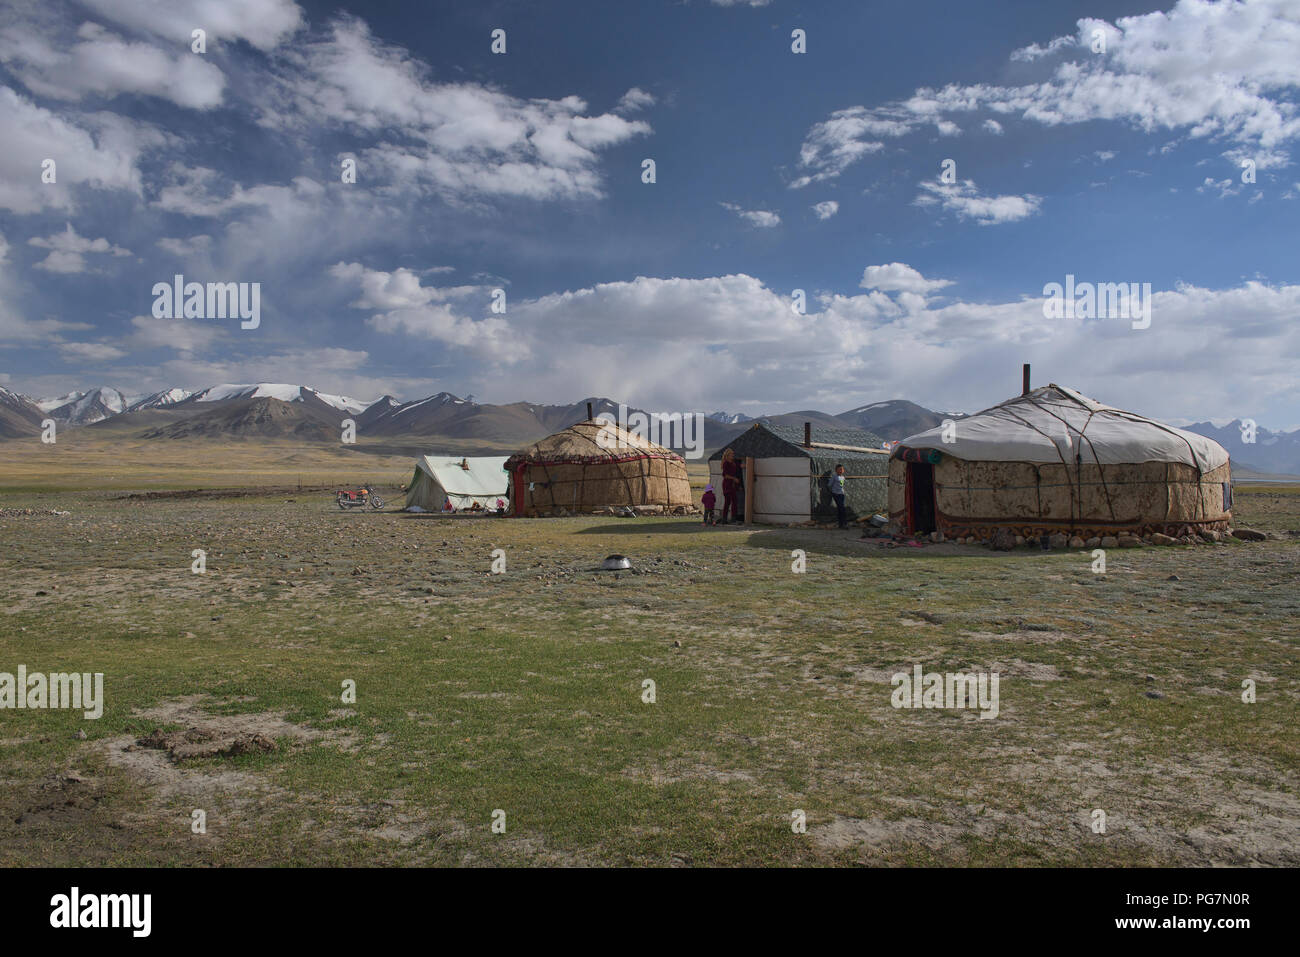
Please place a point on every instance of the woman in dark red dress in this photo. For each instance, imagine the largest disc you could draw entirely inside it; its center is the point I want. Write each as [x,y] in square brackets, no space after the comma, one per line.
[730,483]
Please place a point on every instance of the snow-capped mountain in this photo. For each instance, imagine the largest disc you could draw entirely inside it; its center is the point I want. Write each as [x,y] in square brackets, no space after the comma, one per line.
[377,410]
[159,400]
[276,390]
[84,408]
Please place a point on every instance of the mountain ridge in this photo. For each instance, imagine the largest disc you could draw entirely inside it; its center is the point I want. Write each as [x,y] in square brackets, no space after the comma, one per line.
[285,410]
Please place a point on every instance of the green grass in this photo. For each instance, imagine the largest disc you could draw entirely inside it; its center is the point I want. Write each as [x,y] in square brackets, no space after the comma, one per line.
[523,692]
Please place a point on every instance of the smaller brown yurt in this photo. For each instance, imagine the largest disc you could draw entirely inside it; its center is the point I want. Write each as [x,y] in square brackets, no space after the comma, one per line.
[593,465]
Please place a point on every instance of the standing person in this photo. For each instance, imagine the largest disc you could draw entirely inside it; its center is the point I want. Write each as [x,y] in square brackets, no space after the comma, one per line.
[837,493]
[709,500]
[730,475]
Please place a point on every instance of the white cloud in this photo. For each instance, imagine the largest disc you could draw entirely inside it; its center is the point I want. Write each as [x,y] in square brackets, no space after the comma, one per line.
[696,338]
[761,218]
[456,139]
[826,209]
[1035,52]
[68,250]
[191,191]
[900,277]
[186,248]
[184,336]
[993,126]
[1224,70]
[90,352]
[967,202]
[400,304]
[101,153]
[635,99]
[1224,187]
[102,64]
[835,144]
[263,23]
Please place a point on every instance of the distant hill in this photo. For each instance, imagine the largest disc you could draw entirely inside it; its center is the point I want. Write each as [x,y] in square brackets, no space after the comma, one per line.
[729,418]
[261,417]
[19,415]
[894,419]
[1276,453]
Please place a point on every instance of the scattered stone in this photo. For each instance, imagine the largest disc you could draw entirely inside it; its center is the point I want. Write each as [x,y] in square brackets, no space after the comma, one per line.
[1173,578]
[1058,540]
[1004,540]
[1158,539]
[1129,541]
[1077,542]
[677,642]
[1109,541]
[1020,540]
[936,537]
[1155,695]
[1210,535]
[1094,542]
[1248,535]
[1151,678]
[80,735]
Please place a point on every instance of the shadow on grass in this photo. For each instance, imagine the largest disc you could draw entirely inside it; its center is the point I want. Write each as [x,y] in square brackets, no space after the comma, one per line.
[632,526]
[832,542]
[446,516]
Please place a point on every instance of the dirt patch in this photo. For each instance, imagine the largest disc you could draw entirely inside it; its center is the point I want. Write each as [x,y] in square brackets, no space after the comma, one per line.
[1030,670]
[158,759]
[206,743]
[63,799]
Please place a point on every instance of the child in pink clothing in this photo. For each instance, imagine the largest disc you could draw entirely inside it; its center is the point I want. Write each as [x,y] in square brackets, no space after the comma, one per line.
[709,500]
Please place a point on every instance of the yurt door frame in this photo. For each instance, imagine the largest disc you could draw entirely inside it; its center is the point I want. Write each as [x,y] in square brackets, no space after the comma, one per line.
[922,505]
[520,490]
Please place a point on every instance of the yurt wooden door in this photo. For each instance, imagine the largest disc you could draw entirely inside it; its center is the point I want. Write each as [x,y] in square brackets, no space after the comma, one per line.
[920,497]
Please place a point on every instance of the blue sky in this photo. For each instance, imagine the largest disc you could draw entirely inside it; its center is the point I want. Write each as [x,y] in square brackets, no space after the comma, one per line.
[775,171]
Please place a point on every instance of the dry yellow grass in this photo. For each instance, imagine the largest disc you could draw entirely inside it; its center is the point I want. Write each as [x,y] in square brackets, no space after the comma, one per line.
[82,459]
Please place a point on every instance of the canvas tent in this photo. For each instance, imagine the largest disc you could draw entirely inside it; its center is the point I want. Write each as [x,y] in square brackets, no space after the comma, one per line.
[592,465]
[1053,460]
[792,465]
[462,481]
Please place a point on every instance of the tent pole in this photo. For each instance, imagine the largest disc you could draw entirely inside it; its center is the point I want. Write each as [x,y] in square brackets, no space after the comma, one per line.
[749,489]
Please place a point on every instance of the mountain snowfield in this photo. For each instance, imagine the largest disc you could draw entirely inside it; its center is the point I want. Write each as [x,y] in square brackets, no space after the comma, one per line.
[85,408]
[277,390]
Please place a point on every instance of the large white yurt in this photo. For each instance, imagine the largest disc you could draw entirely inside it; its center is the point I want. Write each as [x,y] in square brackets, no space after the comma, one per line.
[1053,460]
